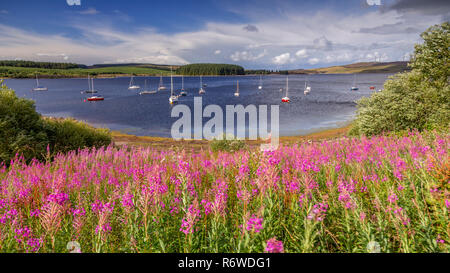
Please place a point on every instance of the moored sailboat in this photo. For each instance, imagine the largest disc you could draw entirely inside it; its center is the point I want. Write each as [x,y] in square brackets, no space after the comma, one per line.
[183,92]
[132,86]
[236,93]
[172,98]
[201,91]
[286,98]
[39,87]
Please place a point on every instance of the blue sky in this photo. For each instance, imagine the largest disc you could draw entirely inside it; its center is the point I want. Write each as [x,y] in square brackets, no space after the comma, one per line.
[267,34]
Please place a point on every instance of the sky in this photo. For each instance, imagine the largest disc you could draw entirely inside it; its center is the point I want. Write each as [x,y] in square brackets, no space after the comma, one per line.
[257,34]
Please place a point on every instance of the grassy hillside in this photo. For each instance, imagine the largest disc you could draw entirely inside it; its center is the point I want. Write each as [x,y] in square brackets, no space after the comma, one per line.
[108,71]
[367,67]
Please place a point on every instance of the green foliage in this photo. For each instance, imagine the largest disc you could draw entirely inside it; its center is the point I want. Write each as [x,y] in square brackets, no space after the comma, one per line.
[47,65]
[432,57]
[210,69]
[30,72]
[68,134]
[21,128]
[227,145]
[23,131]
[419,99]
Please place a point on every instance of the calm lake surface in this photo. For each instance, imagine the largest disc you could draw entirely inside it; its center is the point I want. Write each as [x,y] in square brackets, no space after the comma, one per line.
[330,104]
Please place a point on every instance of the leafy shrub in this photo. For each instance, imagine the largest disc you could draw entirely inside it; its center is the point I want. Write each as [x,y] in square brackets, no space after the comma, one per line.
[69,134]
[419,99]
[23,131]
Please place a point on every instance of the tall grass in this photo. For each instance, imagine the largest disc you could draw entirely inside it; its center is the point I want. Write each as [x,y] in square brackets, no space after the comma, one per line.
[348,195]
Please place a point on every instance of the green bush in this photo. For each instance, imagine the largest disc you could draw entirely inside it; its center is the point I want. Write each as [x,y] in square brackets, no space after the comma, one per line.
[69,134]
[419,99]
[23,131]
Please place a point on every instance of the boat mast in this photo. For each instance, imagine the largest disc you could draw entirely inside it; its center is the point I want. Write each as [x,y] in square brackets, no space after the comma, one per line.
[89,83]
[92,84]
[182,82]
[237,87]
[171,82]
[37,81]
[287,86]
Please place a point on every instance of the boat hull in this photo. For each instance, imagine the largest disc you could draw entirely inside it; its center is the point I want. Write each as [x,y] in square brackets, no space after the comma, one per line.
[95,99]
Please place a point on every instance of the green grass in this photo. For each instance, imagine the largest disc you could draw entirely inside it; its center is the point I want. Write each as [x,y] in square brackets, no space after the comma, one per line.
[27,72]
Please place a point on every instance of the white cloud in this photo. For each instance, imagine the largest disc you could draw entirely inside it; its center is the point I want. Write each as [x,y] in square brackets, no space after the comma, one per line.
[4,11]
[246,56]
[317,39]
[283,59]
[301,53]
[313,61]
[60,55]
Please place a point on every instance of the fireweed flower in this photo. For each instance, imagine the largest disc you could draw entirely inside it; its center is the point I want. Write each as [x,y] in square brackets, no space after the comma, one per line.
[392,198]
[274,246]
[318,212]
[254,224]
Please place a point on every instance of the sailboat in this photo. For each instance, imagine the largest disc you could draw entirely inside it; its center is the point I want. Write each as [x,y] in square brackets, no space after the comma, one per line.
[172,98]
[201,91]
[183,92]
[161,85]
[236,94]
[286,98]
[147,92]
[132,86]
[90,90]
[260,83]
[307,89]
[354,88]
[94,98]
[38,87]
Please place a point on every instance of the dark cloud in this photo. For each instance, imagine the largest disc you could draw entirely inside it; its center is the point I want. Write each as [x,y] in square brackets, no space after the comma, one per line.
[251,28]
[427,7]
[397,28]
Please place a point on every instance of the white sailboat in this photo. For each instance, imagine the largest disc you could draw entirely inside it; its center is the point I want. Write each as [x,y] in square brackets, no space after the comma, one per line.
[161,85]
[236,94]
[145,91]
[307,89]
[201,91]
[132,86]
[183,92]
[94,98]
[38,87]
[286,98]
[172,98]
[354,87]
[260,83]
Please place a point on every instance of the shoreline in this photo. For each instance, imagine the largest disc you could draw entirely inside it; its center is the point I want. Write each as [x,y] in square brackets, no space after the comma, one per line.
[121,139]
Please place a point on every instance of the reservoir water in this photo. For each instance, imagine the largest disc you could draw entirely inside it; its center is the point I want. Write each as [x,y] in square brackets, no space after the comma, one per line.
[330,103]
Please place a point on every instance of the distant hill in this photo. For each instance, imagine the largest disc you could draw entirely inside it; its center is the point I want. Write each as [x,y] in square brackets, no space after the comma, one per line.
[365,67]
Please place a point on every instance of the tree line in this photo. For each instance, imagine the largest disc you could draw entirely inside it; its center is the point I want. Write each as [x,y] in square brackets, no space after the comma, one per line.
[46,65]
[211,69]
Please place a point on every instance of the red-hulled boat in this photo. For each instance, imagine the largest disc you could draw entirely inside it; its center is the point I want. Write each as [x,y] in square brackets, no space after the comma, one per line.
[95,98]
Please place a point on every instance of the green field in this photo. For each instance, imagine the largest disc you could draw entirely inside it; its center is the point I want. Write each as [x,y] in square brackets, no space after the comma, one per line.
[30,72]
[367,67]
